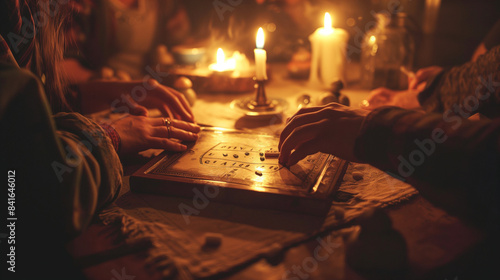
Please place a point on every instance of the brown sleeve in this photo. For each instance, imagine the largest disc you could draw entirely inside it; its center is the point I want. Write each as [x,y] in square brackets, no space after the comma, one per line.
[66,173]
[453,162]
[467,89]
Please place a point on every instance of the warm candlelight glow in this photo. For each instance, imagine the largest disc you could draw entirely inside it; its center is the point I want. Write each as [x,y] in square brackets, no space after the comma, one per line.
[236,63]
[328,45]
[221,57]
[372,39]
[222,64]
[328,22]
[260,39]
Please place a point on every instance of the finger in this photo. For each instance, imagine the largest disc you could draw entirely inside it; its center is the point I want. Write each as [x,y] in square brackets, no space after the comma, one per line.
[294,123]
[187,126]
[166,144]
[298,136]
[310,116]
[303,150]
[172,132]
[306,110]
[139,110]
[173,99]
[185,103]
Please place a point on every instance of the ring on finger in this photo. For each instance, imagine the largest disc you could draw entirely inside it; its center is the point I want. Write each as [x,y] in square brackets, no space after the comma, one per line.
[167,122]
[168,131]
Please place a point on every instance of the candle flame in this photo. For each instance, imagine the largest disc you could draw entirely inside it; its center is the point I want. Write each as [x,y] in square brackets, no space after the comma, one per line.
[372,39]
[259,42]
[220,56]
[328,21]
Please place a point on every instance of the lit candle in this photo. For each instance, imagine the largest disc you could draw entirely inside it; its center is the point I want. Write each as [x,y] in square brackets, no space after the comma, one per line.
[260,56]
[220,65]
[328,53]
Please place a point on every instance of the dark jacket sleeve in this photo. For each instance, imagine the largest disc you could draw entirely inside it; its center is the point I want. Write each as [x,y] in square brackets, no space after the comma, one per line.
[467,89]
[453,162]
[66,166]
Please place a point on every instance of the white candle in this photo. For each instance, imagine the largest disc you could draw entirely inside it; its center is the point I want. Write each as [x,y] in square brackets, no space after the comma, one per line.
[328,53]
[260,56]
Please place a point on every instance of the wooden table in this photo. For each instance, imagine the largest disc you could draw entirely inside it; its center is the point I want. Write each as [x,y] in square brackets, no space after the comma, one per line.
[438,244]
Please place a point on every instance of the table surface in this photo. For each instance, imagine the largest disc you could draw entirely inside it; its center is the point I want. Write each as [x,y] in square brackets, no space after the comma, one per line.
[435,240]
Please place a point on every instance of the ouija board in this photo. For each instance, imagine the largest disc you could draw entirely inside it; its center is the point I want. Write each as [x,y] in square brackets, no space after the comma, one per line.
[238,164]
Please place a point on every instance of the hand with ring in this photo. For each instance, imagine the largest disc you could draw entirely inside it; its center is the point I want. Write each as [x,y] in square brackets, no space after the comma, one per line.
[139,133]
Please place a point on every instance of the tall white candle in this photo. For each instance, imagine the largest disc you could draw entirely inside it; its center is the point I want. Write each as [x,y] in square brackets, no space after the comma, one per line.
[328,53]
[260,56]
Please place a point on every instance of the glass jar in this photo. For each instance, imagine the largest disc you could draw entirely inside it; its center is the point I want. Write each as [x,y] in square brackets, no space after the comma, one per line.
[386,49]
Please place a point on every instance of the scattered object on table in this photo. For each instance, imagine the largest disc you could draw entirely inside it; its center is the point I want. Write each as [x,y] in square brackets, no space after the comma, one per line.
[356,175]
[187,55]
[185,86]
[262,158]
[247,153]
[303,101]
[224,154]
[258,172]
[235,155]
[272,154]
[334,95]
[261,154]
[300,64]
[212,239]
[377,249]
[328,59]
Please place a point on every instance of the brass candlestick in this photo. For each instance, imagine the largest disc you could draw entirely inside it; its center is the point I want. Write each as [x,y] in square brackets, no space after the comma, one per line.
[260,106]
[260,103]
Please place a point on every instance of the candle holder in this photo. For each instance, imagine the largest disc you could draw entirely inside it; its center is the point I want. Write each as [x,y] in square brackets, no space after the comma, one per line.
[260,105]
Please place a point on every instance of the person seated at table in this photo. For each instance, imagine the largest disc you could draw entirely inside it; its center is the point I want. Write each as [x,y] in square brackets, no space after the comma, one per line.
[117,39]
[409,98]
[452,161]
[64,167]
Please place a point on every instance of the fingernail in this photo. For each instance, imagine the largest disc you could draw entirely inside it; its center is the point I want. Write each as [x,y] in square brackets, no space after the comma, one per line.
[183,147]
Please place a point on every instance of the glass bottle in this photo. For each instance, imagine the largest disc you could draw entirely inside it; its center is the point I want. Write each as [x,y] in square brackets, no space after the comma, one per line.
[386,49]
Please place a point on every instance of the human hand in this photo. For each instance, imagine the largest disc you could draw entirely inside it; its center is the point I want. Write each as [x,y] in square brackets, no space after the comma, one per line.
[387,97]
[330,129]
[422,76]
[123,97]
[139,133]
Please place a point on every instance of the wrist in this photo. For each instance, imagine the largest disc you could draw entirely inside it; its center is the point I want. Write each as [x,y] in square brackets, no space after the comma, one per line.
[113,136]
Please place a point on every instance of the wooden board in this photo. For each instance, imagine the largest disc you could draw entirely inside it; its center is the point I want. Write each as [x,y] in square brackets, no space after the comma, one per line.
[232,167]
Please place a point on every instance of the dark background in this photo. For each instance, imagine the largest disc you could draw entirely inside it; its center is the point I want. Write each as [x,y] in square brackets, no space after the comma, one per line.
[461,25]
